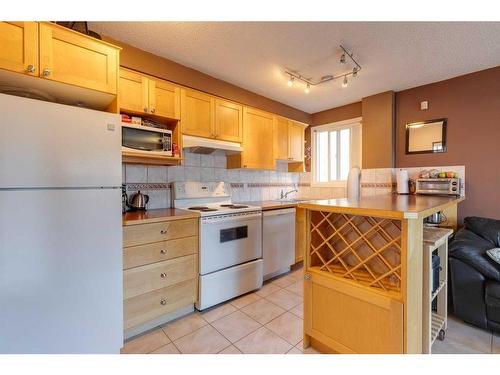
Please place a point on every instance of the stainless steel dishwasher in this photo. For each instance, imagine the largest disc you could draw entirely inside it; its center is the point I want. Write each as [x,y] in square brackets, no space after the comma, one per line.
[278,241]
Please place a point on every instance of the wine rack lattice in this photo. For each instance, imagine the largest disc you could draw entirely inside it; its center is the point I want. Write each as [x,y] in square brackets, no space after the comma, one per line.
[361,248]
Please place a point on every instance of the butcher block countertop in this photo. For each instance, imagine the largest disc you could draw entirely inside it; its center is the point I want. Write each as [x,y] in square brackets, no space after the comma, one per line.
[157,215]
[387,205]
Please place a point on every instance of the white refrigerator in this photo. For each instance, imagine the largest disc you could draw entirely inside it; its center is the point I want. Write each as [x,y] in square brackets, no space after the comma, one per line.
[60,229]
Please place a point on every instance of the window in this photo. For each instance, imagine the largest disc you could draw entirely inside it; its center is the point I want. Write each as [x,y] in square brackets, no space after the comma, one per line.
[335,149]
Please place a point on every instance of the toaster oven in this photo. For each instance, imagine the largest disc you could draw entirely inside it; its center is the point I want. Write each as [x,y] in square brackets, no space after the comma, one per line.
[438,186]
[146,139]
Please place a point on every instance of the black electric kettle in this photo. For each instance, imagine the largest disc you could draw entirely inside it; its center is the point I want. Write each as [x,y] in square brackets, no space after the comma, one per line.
[138,201]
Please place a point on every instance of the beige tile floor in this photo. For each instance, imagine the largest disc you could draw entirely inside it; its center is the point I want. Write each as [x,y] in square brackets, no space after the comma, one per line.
[269,321]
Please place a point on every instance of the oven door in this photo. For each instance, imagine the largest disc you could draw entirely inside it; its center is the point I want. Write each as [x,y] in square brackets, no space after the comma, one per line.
[228,240]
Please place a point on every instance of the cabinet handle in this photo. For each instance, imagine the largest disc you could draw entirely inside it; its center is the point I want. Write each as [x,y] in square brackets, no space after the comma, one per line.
[46,72]
[163,302]
[30,68]
[163,251]
[307,277]
[245,166]
[163,232]
[163,275]
[146,109]
[153,110]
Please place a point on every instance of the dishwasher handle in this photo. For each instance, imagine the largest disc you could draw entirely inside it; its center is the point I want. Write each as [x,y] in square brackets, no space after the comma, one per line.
[279,211]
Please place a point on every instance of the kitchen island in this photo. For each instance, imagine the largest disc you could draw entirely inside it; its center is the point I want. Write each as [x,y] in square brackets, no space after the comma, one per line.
[363,266]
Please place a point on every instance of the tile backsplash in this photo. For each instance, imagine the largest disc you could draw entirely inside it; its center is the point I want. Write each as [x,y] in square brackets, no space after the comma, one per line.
[254,185]
[383,180]
[246,185]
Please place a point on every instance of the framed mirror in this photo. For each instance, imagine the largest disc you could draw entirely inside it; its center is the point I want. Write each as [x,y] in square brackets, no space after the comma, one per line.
[426,137]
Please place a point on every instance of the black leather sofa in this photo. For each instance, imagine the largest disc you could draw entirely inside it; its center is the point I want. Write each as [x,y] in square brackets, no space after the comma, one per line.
[474,277]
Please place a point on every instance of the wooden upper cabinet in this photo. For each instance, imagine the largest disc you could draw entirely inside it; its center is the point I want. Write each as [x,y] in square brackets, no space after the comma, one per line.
[69,57]
[281,138]
[164,99]
[296,141]
[228,121]
[19,47]
[197,113]
[257,139]
[133,91]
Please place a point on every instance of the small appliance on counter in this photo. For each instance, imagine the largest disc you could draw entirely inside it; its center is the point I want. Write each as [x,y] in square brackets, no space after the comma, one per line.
[438,186]
[402,181]
[138,201]
[353,181]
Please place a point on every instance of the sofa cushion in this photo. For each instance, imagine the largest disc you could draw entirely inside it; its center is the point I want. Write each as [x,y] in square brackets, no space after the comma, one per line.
[489,229]
[492,299]
[471,249]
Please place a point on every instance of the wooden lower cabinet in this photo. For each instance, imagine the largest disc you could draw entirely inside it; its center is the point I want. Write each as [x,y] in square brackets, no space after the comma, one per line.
[160,270]
[349,319]
[148,306]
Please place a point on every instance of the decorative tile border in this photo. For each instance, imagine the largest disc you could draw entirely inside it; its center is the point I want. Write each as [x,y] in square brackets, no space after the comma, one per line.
[147,186]
[386,185]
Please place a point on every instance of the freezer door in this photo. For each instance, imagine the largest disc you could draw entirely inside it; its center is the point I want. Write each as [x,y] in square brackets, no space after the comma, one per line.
[61,271]
[44,144]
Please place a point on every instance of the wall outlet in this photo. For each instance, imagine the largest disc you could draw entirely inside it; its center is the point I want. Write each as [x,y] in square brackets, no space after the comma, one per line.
[424,105]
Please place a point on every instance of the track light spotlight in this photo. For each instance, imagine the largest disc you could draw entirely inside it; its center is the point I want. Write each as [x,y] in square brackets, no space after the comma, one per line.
[342,58]
[307,89]
[290,81]
[355,71]
[344,84]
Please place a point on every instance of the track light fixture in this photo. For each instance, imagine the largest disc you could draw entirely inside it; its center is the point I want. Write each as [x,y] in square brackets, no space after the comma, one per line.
[344,83]
[309,82]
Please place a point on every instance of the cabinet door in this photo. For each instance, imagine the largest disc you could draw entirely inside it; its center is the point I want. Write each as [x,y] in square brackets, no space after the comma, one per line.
[281,138]
[228,121]
[164,99]
[133,92]
[257,139]
[296,141]
[19,51]
[69,57]
[349,319]
[197,111]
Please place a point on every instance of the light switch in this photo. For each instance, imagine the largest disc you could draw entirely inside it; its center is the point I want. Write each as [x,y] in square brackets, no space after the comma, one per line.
[424,105]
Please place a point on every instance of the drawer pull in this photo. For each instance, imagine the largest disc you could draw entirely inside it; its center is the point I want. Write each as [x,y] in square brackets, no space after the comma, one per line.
[163,302]
[163,275]
[163,232]
[163,251]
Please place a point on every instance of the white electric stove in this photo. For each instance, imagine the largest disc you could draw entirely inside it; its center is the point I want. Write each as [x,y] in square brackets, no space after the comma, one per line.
[230,241]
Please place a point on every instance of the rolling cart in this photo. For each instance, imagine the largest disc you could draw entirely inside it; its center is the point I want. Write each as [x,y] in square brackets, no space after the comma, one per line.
[434,314]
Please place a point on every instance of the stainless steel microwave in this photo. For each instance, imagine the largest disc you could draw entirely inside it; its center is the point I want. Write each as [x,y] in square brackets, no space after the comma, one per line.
[438,186]
[146,139]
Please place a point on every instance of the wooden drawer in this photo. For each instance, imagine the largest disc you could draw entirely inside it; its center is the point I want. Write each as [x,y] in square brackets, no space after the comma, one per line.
[142,308]
[155,232]
[140,255]
[140,280]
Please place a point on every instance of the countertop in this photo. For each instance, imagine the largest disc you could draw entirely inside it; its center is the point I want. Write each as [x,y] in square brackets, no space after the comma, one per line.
[156,215]
[387,205]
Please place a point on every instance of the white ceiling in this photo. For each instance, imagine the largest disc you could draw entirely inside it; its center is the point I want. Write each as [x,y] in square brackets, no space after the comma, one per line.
[253,55]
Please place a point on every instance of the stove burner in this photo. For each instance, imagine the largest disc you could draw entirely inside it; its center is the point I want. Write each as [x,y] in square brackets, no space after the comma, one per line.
[235,206]
[227,205]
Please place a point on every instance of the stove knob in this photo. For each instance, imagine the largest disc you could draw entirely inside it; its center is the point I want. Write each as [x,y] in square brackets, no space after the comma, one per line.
[163,275]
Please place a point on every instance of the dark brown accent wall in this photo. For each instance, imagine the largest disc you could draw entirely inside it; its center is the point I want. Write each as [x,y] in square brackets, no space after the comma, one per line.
[471,103]
[145,62]
[378,130]
[345,112]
